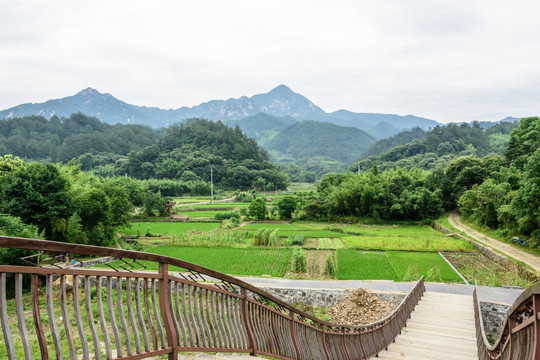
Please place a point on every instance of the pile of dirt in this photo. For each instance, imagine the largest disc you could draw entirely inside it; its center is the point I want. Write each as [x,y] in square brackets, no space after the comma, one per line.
[360,308]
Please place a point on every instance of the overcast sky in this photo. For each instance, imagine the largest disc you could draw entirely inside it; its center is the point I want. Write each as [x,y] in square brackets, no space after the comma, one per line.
[455,60]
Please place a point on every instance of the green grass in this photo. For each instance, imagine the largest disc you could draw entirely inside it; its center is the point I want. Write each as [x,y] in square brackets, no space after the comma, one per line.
[228,205]
[390,265]
[281,226]
[401,261]
[311,233]
[368,265]
[328,243]
[202,214]
[407,237]
[162,228]
[235,261]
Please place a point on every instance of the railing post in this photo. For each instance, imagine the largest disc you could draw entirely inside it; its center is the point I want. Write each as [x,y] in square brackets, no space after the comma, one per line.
[247,323]
[345,344]
[165,308]
[293,336]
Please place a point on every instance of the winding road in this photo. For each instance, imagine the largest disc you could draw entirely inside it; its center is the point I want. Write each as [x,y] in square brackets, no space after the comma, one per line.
[529,259]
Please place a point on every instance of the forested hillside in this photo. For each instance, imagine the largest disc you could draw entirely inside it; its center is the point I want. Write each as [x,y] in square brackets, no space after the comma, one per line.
[35,137]
[437,147]
[498,191]
[184,152]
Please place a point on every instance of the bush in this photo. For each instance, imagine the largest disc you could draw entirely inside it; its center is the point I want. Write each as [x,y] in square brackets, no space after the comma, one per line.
[434,274]
[266,237]
[230,223]
[413,273]
[227,215]
[330,266]
[299,260]
[298,240]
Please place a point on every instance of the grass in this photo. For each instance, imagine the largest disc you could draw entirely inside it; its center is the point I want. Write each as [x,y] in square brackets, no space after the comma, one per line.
[401,261]
[390,265]
[367,265]
[161,228]
[228,205]
[234,261]
[202,214]
[281,226]
[408,237]
[311,233]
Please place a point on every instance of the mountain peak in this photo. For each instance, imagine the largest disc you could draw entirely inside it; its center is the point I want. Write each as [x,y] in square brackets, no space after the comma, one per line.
[88,91]
[281,90]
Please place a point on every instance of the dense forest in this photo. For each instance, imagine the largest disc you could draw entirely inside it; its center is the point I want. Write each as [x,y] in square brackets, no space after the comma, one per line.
[183,152]
[436,147]
[498,191]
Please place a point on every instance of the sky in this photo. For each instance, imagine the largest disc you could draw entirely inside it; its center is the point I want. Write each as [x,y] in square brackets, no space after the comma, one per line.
[454,60]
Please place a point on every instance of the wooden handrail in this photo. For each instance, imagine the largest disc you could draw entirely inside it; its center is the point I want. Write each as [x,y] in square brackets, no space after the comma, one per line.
[519,336]
[199,310]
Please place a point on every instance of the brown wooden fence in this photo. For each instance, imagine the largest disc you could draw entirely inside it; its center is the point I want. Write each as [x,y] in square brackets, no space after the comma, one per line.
[519,337]
[128,312]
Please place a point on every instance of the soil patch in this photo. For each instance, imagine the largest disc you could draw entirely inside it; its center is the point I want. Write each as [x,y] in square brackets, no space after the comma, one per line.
[360,308]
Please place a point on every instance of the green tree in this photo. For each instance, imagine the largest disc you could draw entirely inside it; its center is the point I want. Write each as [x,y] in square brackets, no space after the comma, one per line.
[37,194]
[287,207]
[526,204]
[257,209]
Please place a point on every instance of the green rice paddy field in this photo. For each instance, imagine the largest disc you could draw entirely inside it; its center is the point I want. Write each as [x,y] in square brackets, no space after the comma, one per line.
[165,228]
[391,265]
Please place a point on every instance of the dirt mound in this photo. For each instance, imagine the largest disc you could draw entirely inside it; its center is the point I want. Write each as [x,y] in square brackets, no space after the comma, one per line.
[360,308]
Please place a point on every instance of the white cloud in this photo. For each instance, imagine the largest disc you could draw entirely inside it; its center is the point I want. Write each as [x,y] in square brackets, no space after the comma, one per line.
[450,61]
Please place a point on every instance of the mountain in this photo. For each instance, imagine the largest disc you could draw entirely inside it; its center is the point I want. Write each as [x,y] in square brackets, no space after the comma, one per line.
[262,127]
[307,139]
[93,103]
[280,102]
[370,122]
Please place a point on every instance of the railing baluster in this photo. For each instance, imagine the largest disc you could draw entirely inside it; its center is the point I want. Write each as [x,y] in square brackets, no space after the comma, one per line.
[37,318]
[172,285]
[101,313]
[112,318]
[5,320]
[20,316]
[189,323]
[247,323]
[52,318]
[78,318]
[65,318]
[131,315]
[123,323]
[140,315]
[202,297]
[216,328]
[90,317]
[179,316]
[149,314]
[157,315]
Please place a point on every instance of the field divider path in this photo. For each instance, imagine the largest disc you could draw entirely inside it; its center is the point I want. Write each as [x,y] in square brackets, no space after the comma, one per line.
[529,259]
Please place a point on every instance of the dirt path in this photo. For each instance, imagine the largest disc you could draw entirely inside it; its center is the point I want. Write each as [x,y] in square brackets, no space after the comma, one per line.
[532,260]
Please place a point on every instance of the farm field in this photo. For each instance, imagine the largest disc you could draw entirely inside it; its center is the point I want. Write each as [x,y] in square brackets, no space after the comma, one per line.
[390,265]
[234,261]
[165,228]
[404,237]
[202,214]
[484,271]
[223,205]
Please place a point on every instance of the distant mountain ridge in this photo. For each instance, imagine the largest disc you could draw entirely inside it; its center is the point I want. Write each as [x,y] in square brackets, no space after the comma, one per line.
[280,102]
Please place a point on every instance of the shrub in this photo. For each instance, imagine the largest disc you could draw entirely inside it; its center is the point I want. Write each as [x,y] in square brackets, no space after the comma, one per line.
[330,266]
[299,260]
[227,215]
[413,273]
[434,274]
[230,223]
[266,237]
[298,240]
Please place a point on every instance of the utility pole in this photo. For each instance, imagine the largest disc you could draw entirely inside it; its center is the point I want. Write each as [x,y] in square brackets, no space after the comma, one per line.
[358,172]
[211,185]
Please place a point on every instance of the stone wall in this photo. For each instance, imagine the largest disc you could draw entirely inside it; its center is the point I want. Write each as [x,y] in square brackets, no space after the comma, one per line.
[493,316]
[323,298]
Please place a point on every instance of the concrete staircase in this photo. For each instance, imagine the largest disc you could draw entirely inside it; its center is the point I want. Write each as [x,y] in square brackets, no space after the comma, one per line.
[441,327]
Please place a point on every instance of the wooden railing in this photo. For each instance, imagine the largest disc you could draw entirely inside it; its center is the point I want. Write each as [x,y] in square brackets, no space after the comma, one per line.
[519,337]
[123,313]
